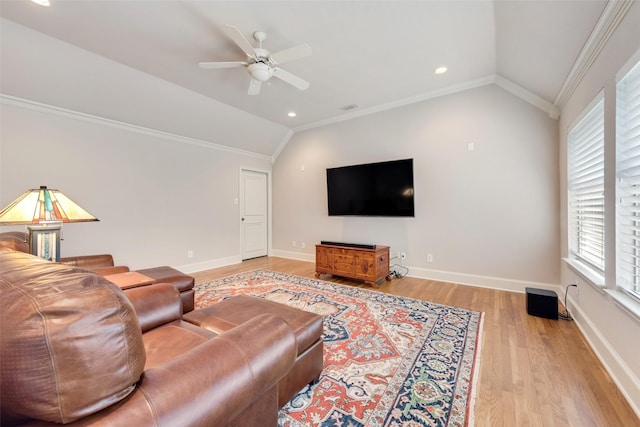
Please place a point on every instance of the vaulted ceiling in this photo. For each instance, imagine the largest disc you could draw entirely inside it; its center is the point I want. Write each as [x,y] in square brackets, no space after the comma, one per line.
[372,54]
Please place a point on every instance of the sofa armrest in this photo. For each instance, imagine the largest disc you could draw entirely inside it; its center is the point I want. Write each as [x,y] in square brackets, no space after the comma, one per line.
[155,304]
[219,379]
[210,385]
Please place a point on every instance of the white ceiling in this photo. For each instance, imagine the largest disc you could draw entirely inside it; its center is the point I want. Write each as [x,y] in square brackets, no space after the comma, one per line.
[369,53]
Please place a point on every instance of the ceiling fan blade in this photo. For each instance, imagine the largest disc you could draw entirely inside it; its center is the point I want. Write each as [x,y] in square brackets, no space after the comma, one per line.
[292,79]
[239,39]
[233,64]
[254,86]
[296,52]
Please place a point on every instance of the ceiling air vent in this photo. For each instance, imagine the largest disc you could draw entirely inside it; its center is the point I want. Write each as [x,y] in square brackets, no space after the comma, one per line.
[349,107]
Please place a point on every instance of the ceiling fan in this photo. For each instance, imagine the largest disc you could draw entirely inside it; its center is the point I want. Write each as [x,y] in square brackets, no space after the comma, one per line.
[262,64]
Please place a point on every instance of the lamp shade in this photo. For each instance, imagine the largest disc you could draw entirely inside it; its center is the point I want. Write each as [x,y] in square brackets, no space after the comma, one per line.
[39,206]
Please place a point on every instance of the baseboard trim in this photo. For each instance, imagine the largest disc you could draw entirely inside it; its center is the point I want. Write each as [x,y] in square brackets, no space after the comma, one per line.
[622,375]
[490,282]
[207,265]
[499,283]
[300,256]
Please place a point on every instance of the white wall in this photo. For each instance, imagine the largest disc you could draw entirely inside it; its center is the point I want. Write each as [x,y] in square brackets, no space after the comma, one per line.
[146,157]
[156,197]
[489,216]
[613,332]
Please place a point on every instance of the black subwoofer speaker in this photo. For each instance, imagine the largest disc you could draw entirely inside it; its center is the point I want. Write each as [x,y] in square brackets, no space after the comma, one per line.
[542,303]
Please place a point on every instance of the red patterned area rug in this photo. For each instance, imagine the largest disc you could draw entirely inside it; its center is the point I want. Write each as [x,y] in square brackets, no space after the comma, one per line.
[388,360]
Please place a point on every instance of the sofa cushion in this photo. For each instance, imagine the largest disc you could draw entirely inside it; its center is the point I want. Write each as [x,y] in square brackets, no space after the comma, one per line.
[233,311]
[70,342]
[182,282]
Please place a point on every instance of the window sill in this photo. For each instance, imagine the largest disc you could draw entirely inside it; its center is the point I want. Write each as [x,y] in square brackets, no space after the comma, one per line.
[626,303]
[589,275]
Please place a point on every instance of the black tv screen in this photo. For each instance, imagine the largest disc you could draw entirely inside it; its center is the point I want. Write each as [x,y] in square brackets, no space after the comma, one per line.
[373,189]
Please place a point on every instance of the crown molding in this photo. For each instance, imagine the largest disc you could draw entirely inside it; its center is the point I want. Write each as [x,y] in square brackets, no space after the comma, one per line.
[527,96]
[611,17]
[281,146]
[472,84]
[76,115]
[498,80]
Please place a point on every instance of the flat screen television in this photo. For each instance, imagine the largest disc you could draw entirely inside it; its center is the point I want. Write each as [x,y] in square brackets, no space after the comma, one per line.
[373,189]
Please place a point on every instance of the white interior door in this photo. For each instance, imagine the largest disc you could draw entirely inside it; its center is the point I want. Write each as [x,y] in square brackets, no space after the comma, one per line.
[253,214]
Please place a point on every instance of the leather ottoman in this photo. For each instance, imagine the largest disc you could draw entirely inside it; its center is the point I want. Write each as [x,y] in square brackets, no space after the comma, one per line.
[182,282]
[307,327]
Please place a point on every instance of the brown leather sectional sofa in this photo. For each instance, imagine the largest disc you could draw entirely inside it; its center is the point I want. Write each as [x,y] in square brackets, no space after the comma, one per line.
[104,265]
[76,349]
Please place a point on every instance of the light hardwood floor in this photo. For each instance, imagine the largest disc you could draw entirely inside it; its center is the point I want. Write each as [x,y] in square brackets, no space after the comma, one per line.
[533,371]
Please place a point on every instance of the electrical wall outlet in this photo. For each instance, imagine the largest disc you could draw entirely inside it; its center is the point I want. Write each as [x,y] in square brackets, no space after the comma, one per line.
[189,254]
[303,245]
[429,257]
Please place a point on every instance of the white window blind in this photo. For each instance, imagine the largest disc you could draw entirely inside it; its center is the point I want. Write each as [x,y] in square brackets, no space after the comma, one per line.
[628,182]
[585,157]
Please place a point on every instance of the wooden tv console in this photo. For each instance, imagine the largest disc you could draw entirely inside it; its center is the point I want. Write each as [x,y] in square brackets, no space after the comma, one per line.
[370,265]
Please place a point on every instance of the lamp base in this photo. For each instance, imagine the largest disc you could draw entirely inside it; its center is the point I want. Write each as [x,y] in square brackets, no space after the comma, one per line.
[44,240]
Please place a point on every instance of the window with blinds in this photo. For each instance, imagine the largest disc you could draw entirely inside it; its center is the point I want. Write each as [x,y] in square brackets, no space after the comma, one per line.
[628,182]
[585,156]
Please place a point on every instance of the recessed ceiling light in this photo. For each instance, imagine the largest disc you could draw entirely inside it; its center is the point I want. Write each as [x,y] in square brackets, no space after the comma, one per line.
[42,2]
[292,114]
[440,70]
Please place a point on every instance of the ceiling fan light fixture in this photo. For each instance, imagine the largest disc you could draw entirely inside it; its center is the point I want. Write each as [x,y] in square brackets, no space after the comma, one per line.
[260,63]
[260,71]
